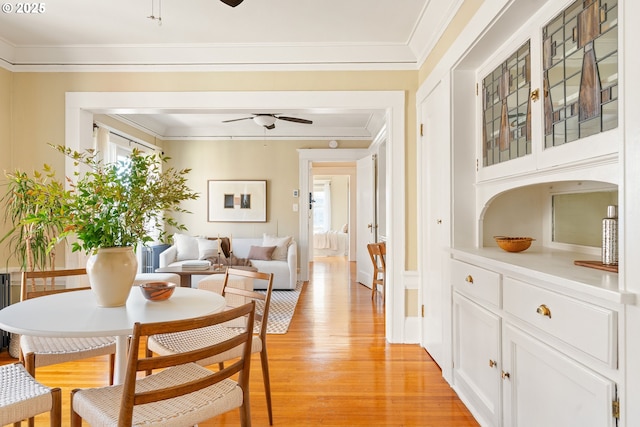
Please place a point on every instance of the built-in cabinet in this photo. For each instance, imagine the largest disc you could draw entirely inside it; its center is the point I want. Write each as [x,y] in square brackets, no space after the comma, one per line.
[530,351]
[535,339]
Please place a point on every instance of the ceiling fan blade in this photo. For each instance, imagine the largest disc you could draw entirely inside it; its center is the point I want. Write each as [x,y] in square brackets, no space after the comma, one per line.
[232,3]
[235,120]
[295,120]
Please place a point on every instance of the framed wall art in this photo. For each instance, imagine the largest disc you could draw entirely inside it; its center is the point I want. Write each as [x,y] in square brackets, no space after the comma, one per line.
[237,201]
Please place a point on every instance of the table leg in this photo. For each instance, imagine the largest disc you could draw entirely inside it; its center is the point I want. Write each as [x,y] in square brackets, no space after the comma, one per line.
[185,280]
[120,367]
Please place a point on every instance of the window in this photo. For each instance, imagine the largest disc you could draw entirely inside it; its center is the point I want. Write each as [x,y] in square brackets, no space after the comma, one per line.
[506,108]
[580,64]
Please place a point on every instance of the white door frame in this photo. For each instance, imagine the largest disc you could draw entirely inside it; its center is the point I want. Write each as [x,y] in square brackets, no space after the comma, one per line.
[80,107]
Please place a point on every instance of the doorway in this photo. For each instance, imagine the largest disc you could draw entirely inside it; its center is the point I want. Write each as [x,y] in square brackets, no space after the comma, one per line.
[80,108]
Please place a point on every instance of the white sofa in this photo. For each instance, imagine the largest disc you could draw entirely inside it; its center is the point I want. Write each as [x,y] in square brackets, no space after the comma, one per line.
[284,267]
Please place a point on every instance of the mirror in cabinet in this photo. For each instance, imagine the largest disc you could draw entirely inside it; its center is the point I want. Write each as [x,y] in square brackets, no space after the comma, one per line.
[577,217]
[560,215]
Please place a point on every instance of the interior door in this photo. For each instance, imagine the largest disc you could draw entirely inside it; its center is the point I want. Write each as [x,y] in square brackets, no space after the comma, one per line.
[436,296]
[366,214]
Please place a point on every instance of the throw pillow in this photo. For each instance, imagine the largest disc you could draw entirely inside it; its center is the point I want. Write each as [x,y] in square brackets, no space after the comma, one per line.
[345,228]
[281,244]
[262,253]
[187,246]
[208,249]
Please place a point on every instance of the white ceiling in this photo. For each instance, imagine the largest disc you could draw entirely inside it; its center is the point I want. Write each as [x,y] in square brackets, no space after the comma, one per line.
[207,35]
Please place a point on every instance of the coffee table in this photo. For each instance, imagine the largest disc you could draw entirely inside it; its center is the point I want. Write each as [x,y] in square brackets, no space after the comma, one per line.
[186,273]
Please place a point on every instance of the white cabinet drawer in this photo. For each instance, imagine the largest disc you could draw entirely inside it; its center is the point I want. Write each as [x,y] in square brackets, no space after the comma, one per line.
[475,282]
[587,327]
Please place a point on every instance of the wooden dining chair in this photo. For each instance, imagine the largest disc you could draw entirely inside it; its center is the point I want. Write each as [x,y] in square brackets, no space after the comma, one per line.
[179,392]
[43,351]
[378,253]
[22,397]
[193,339]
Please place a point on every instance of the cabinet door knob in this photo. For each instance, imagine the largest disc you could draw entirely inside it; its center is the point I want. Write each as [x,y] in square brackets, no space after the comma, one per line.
[505,375]
[543,310]
[535,94]
[469,279]
[492,363]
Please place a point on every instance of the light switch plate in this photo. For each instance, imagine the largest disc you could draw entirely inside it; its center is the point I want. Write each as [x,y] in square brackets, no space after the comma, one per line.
[296,193]
[295,207]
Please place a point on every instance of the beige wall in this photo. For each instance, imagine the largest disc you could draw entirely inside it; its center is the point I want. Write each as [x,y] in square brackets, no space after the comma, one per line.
[339,201]
[5,141]
[273,161]
[38,110]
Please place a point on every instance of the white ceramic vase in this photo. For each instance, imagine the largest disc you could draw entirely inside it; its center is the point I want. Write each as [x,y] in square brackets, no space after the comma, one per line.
[112,272]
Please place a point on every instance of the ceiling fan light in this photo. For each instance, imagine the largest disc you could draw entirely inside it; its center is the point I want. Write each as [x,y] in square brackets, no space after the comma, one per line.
[265,121]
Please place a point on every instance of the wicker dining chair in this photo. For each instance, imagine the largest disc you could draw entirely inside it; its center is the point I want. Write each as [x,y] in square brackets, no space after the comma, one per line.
[22,397]
[378,253]
[175,343]
[44,351]
[180,392]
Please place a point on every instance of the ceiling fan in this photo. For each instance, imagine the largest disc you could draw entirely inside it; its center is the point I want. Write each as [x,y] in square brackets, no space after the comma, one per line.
[269,120]
[232,3]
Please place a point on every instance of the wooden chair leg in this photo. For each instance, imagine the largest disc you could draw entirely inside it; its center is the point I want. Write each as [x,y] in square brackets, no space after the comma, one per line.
[112,364]
[29,361]
[76,420]
[56,408]
[267,381]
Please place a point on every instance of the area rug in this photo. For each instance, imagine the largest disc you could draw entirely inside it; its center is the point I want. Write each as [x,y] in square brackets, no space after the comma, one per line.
[283,306]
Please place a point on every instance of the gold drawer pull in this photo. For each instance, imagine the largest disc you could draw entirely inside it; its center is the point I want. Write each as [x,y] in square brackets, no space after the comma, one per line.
[468,279]
[543,310]
[505,375]
[492,363]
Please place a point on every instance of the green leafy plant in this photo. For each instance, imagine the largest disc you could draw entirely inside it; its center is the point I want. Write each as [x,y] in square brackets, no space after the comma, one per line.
[105,205]
[122,203]
[34,208]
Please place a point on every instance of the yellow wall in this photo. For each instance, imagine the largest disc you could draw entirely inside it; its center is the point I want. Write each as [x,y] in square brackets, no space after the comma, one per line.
[273,161]
[38,109]
[5,140]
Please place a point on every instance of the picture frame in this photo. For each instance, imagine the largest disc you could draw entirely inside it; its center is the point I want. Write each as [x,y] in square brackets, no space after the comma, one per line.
[237,201]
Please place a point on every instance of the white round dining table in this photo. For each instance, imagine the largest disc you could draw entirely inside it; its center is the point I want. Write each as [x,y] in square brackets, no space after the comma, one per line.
[76,314]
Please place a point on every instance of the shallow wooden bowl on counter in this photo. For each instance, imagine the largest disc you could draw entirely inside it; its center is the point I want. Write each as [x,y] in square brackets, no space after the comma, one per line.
[513,244]
[157,291]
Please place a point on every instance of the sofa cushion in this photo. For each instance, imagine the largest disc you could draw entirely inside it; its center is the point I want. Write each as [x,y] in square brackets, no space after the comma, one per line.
[208,249]
[261,252]
[281,243]
[187,246]
[280,270]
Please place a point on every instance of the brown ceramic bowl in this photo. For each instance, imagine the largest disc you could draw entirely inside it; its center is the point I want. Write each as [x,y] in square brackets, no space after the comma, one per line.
[513,244]
[157,291]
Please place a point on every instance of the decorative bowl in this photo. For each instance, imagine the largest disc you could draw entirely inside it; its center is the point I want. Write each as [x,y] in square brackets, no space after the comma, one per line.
[157,291]
[513,244]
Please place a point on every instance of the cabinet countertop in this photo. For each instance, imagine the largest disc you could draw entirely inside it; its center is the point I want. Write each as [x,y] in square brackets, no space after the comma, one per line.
[551,266]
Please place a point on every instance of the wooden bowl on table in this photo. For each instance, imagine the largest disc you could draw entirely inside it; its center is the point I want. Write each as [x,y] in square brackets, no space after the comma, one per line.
[513,244]
[157,291]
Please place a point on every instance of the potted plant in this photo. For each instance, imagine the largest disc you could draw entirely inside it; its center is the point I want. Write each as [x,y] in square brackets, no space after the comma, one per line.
[110,208]
[32,205]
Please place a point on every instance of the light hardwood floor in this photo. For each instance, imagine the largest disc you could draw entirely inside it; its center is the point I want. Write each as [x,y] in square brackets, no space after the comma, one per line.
[332,368]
